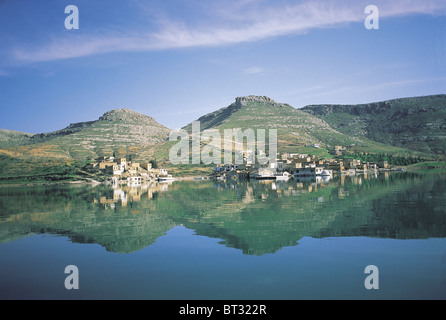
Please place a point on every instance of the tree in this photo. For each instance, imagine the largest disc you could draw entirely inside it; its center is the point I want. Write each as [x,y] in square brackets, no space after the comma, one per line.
[154,164]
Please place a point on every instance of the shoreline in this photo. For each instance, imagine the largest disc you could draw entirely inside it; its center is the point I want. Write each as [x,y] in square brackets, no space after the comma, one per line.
[47,183]
[410,168]
[83,182]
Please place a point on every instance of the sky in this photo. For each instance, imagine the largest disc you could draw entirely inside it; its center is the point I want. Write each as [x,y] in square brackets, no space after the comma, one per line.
[176,60]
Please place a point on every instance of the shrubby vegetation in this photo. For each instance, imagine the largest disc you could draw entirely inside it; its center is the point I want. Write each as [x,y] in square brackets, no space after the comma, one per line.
[391,159]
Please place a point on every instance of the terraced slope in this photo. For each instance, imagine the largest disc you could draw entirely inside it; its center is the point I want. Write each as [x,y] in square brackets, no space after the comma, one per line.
[297,130]
[122,131]
[417,123]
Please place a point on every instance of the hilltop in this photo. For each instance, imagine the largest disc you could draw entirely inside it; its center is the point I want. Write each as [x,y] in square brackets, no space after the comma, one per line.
[297,130]
[402,127]
[120,130]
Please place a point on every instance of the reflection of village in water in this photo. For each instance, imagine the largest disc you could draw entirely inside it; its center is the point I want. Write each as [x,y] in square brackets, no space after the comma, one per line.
[291,174]
[126,194]
[298,185]
[256,216]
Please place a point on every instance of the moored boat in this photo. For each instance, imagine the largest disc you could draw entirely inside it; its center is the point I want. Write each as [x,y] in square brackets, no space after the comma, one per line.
[282,176]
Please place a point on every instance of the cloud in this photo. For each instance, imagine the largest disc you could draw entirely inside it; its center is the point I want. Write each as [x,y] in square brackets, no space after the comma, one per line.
[358,88]
[227,23]
[253,70]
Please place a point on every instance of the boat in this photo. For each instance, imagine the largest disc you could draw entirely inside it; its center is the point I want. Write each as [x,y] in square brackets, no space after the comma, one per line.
[265,175]
[282,176]
[166,178]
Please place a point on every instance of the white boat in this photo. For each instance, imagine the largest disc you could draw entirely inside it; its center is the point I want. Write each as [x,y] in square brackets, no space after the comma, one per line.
[265,176]
[282,176]
[166,178]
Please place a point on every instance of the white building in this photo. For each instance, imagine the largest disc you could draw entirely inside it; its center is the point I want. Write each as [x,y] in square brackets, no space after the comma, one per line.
[309,171]
[134,181]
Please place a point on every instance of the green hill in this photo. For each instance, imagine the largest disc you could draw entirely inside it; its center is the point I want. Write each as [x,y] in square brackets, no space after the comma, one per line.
[122,131]
[417,123]
[11,138]
[297,130]
[399,127]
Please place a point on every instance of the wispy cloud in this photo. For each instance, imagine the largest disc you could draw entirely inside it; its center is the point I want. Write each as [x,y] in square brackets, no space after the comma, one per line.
[253,70]
[357,88]
[227,23]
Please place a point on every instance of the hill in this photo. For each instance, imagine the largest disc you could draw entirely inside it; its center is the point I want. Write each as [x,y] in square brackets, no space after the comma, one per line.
[400,127]
[122,131]
[297,130]
[417,123]
[10,138]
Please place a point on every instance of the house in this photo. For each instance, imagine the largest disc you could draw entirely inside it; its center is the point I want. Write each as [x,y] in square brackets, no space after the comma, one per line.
[372,166]
[308,171]
[134,165]
[132,168]
[146,166]
[335,165]
[123,163]
[339,150]
[104,165]
[281,166]
[117,170]
[352,163]
[134,181]
[384,164]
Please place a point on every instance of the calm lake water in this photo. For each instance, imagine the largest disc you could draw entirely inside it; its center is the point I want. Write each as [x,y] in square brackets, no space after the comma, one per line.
[301,239]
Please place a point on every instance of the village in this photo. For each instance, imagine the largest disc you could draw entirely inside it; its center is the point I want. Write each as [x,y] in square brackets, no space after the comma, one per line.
[131,173]
[288,165]
[133,180]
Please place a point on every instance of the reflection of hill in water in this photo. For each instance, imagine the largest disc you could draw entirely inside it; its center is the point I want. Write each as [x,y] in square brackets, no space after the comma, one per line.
[256,217]
[81,214]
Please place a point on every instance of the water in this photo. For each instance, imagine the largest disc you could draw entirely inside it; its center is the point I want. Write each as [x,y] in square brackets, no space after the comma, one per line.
[301,239]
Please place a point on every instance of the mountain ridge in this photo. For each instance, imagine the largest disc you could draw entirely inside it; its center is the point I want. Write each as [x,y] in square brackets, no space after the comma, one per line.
[416,123]
[119,130]
[297,130]
[125,131]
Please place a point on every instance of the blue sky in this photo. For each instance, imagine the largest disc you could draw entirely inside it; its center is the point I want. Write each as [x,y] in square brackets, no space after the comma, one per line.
[176,60]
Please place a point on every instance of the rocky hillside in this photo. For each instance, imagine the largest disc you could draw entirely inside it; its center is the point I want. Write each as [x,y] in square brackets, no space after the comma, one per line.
[121,130]
[394,126]
[417,123]
[297,130]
